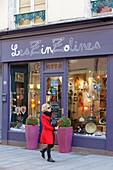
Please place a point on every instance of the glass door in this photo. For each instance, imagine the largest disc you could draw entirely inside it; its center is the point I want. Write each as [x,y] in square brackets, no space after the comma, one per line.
[54,93]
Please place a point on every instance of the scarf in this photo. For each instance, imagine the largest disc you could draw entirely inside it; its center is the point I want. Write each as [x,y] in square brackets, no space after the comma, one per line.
[48,113]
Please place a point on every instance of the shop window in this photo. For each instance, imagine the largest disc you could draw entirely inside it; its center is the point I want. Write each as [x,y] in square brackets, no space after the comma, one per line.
[87,96]
[30,12]
[25,94]
[34,90]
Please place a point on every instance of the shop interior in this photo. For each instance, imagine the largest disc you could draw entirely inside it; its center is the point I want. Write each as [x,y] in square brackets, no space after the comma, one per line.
[87,96]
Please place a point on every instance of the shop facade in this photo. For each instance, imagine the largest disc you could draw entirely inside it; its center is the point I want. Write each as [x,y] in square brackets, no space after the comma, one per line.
[68,65]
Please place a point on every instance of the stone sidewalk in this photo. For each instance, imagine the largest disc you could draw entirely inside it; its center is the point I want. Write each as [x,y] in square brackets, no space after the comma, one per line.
[19,158]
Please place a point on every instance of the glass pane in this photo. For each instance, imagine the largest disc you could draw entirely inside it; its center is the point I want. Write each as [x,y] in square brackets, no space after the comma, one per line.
[24,6]
[18,103]
[24,3]
[87,96]
[24,10]
[25,94]
[24,22]
[39,1]
[38,20]
[34,90]
[54,65]
[19,82]
[54,94]
[39,7]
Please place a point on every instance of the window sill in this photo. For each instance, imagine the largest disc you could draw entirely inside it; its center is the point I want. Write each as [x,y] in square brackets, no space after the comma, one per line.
[90,136]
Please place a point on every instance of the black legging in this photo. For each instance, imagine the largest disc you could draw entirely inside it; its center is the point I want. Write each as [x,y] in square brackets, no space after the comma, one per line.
[48,149]
[49,146]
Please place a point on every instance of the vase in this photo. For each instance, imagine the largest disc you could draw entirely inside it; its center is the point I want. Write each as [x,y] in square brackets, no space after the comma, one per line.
[65,139]
[32,134]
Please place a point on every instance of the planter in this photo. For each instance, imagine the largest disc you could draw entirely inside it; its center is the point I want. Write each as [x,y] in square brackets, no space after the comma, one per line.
[65,139]
[32,134]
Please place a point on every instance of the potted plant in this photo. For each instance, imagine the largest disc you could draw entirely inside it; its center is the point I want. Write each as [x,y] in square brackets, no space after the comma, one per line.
[32,132]
[65,132]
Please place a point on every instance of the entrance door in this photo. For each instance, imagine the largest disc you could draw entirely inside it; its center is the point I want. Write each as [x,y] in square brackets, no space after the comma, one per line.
[54,93]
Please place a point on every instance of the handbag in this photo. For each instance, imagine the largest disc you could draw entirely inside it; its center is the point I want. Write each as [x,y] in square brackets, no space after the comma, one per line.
[53,122]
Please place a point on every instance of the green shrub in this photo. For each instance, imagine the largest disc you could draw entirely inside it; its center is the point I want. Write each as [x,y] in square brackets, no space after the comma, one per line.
[31,120]
[64,122]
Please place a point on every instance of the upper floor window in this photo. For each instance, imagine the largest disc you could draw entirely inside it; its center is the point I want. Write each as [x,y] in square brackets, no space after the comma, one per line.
[100,7]
[30,12]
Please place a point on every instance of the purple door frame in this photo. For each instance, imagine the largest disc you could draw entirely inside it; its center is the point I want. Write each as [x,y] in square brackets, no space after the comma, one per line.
[64,74]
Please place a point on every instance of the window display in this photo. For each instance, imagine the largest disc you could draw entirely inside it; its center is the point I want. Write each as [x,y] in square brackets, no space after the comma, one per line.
[87,100]
[25,93]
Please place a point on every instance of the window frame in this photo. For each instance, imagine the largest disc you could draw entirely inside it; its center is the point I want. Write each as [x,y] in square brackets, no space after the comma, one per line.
[32,7]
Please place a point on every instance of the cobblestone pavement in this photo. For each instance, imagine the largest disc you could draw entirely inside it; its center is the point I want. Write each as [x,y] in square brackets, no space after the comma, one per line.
[20,158]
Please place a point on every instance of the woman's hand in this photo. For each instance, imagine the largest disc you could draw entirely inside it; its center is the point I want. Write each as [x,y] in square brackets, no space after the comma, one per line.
[56,128]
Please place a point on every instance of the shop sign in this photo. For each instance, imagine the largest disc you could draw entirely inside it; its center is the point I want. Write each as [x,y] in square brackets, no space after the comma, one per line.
[57,45]
[65,45]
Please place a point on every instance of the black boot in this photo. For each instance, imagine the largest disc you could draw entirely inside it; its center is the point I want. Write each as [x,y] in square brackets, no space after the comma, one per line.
[50,160]
[43,153]
[49,154]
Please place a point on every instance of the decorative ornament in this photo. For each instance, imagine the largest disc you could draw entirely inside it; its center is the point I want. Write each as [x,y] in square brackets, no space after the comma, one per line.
[17,110]
[23,109]
[95,86]
[88,95]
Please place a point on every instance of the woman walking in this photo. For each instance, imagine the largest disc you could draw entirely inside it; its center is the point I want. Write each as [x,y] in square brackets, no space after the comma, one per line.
[47,136]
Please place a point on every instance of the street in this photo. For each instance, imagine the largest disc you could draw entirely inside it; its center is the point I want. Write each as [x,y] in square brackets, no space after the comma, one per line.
[20,158]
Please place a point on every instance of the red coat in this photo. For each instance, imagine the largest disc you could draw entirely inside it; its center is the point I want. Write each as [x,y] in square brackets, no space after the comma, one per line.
[47,135]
